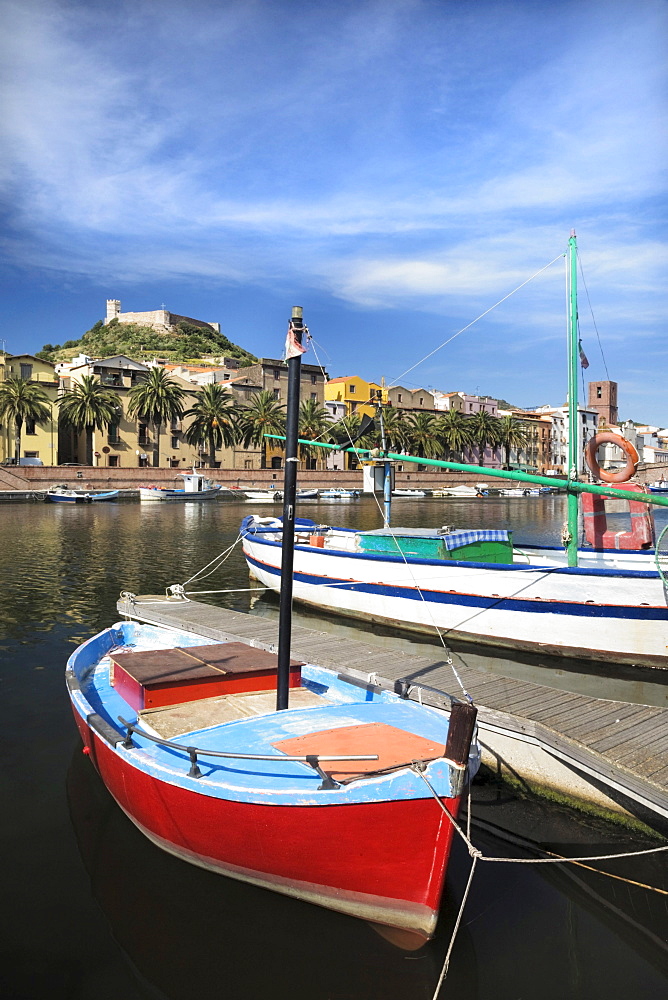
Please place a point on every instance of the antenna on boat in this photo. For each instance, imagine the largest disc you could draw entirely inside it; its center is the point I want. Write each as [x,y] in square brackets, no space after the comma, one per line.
[573,428]
[293,356]
[387,465]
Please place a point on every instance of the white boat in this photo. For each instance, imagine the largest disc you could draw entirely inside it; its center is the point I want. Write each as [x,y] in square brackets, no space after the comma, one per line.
[61,494]
[660,486]
[610,607]
[338,494]
[458,491]
[196,487]
[262,496]
[409,493]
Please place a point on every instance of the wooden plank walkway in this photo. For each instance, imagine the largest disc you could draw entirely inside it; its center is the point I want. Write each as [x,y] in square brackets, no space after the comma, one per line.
[624,746]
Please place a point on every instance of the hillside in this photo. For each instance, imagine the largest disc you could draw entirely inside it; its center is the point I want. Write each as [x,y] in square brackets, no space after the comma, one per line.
[185,343]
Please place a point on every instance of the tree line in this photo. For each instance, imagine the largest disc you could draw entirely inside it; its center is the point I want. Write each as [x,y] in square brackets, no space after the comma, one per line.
[219,420]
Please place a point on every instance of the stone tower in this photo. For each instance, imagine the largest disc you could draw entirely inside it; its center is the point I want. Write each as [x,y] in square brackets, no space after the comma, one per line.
[603,399]
[113,310]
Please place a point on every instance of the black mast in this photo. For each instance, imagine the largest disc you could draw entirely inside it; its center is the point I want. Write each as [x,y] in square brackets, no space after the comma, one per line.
[294,352]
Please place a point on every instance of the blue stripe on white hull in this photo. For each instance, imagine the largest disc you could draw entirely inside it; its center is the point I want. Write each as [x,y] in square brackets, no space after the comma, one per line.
[609,616]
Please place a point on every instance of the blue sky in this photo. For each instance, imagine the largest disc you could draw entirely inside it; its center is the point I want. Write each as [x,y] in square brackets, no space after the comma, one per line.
[394,166]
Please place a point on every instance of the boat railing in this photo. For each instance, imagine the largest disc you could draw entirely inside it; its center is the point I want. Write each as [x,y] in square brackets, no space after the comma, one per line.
[313,760]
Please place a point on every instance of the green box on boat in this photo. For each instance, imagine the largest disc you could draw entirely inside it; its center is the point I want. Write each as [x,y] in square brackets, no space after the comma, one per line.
[420,544]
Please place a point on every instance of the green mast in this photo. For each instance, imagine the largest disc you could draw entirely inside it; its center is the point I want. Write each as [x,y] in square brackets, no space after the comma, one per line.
[573,427]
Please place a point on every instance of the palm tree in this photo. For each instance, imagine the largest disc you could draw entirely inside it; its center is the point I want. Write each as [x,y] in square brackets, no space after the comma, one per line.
[345,431]
[423,438]
[513,434]
[396,430]
[455,433]
[484,430]
[21,401]
[314,423]
[263,415]
[214,422]
[87,405]
[159,399]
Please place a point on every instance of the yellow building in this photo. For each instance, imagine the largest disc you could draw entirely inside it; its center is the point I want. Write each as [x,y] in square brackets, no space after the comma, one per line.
[356,393]
[38,441]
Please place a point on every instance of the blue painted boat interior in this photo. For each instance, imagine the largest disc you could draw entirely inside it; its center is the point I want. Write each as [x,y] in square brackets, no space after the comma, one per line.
[277,781]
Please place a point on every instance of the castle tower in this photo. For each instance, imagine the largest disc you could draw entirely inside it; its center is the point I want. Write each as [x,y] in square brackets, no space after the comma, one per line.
[113,309]
[603,399]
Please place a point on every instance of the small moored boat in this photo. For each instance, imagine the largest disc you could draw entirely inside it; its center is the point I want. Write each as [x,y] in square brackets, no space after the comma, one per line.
[195,487]
[60,494]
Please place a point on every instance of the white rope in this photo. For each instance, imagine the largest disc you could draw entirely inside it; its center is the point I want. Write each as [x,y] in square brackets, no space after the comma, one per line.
[476,853]
[446,962]
[218,560]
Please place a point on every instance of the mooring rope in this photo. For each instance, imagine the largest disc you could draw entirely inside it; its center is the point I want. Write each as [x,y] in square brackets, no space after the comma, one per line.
[477,855]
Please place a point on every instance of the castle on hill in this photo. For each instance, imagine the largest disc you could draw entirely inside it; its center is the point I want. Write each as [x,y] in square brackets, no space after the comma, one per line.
[159,319]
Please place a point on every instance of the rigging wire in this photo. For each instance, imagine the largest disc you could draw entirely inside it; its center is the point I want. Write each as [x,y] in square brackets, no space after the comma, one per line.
[598,337]
[477,319]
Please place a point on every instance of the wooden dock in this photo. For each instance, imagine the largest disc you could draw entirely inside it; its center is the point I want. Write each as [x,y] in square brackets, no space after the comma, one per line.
[611,755]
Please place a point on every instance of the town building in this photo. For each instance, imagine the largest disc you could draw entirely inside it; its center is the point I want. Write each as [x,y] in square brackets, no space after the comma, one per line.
[410,399]
[358,395]
[38,441]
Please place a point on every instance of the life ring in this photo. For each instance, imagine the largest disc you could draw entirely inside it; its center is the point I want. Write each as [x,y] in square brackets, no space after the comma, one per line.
[622,475]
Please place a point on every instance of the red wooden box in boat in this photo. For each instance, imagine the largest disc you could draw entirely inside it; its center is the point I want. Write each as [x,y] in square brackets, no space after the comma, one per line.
[155,678]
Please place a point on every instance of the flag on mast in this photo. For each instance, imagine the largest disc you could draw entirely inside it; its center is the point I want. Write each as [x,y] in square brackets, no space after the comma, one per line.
[297,333]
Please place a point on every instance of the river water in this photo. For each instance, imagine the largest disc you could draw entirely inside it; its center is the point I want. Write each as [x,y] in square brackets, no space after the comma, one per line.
[93,910]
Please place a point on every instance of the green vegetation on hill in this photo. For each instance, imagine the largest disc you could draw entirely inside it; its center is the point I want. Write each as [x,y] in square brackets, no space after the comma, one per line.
[187,343]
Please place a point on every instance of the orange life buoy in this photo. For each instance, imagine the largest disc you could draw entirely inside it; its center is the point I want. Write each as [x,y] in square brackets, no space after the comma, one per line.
[622,475]
[641,535]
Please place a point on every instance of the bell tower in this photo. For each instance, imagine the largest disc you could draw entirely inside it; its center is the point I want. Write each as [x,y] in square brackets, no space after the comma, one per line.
[603,399]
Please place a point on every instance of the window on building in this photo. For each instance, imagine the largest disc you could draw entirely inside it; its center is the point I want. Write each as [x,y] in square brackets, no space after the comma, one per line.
[277,393]
[599,392]
[143,461]
[314,395]
[26,371]
[30,426]
[112,434]
[175,442]
[276,462]
[277,375]
[248,463]
[399,397]
[421,400]
[143,434]
[113,461]
[314,379]
[352,389]
[31,454]
[311,463]
[174,463]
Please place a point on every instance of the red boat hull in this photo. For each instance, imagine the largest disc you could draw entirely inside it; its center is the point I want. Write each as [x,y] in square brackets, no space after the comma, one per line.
[383,861]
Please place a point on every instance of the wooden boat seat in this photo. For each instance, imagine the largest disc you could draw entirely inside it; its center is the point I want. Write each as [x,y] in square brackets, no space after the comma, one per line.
[395,748]
[171,721]
[156,677]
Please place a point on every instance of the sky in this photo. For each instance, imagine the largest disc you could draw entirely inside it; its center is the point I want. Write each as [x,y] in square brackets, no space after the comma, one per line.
[395,167]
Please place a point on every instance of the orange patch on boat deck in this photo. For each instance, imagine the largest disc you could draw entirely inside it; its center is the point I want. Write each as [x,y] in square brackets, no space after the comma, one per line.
[395,748]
